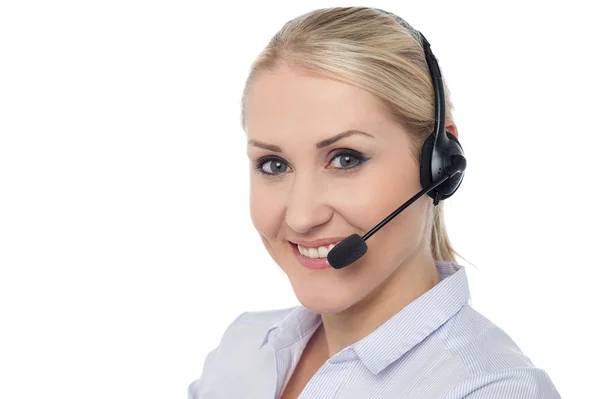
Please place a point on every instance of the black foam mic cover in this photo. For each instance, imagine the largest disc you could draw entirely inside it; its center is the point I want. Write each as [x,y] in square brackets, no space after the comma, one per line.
[347,251]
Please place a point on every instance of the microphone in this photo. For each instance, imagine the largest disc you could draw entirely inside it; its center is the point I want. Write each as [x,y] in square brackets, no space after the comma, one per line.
[353,247]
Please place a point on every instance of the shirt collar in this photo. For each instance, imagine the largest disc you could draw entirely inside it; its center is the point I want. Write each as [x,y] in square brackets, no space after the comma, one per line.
[398,334]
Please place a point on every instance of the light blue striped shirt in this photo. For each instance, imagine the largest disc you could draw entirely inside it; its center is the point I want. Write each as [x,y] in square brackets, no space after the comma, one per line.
[438,347]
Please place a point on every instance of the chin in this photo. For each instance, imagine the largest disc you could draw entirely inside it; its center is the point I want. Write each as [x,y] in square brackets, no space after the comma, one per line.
[324,308]
[330,302]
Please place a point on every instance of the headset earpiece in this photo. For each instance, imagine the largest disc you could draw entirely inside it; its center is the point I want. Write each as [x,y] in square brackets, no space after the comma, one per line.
[434,159]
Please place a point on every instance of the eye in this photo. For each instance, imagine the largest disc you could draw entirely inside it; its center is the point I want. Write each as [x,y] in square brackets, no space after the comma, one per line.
[348,159]
[274,166]
[345,160]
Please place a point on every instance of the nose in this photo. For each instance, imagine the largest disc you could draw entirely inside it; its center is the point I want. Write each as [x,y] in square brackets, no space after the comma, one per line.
[306,207]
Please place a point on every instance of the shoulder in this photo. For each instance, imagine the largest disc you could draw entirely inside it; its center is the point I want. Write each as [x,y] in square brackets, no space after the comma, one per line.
[252,326]
[490,362]
[263,317]
[248,328]
[481,345]
[515,382]
[237,351]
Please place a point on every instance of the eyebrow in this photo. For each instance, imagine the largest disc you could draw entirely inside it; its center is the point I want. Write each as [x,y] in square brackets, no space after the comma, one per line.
[320,144]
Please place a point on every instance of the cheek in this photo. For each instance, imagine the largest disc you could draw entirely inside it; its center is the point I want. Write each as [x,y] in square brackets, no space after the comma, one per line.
[265,209]
[377,194]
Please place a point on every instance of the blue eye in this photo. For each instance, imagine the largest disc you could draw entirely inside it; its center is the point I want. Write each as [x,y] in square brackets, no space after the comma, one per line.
[276,164]
[346,159]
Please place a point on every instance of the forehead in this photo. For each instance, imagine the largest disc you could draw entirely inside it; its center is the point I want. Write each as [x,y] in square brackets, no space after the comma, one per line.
[287,100]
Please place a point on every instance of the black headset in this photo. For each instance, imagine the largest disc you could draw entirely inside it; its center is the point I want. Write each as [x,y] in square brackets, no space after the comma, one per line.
[442,166]
[441,145]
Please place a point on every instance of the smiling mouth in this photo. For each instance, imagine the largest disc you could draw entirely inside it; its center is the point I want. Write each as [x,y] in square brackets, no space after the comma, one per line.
[312,252]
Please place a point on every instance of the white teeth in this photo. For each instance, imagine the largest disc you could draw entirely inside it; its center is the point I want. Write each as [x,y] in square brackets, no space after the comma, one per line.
[323,251]
[320,252]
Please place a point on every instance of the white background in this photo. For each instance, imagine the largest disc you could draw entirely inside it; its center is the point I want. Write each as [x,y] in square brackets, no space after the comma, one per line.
[126,245]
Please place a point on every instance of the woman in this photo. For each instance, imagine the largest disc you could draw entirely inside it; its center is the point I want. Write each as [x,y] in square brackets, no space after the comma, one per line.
[337,110]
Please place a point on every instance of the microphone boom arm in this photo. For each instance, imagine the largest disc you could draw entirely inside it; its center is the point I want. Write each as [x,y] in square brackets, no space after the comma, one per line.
[459,165]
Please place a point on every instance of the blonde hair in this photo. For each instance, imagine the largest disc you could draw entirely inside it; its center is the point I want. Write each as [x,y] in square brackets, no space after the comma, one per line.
[372,50]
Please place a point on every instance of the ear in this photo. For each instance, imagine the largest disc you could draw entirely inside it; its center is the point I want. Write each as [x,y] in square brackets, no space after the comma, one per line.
[451,127]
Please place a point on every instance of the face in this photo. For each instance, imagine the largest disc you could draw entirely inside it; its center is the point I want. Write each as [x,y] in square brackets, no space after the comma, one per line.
[348,186]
